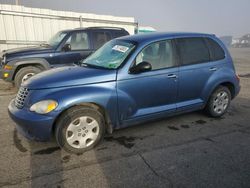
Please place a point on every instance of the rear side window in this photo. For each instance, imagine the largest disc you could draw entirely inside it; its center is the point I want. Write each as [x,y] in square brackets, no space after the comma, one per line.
[193,50]
[100,38]
[117,34]
[217,53]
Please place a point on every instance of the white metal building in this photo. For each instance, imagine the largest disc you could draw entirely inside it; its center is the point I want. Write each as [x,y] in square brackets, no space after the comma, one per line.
[23,26]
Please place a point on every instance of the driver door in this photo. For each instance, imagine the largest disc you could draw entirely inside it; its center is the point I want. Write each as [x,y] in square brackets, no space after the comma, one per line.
[151,93]
[80,48]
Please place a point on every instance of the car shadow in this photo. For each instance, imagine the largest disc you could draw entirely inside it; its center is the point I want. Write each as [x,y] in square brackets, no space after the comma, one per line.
[46,165]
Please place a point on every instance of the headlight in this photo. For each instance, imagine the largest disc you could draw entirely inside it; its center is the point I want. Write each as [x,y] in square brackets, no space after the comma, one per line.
[44,107]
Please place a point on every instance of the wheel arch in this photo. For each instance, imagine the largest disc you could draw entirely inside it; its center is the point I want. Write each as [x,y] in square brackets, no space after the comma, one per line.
[227,84]
[98,107]
[231,88]
[36,62]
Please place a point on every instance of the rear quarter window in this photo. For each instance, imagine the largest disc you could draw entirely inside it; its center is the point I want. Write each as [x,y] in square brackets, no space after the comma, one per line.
[193,50]
[217,52]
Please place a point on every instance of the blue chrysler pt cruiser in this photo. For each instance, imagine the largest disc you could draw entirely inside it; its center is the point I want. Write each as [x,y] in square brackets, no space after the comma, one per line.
[129,80]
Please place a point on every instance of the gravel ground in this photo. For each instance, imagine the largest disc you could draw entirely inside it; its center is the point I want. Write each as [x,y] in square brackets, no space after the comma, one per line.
[190,150]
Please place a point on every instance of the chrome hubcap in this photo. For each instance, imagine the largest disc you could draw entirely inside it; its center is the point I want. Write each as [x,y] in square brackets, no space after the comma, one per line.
[82,132]
[221,102]
[27,76]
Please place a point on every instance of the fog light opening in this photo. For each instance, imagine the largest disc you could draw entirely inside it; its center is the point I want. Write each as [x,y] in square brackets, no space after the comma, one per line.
[6,75]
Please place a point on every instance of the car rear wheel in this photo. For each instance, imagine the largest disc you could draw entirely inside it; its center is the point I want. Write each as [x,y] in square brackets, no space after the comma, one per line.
[219,102]
[79,129]
[24,74]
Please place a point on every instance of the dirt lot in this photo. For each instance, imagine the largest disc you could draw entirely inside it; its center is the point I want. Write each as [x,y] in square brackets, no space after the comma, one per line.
[189,150]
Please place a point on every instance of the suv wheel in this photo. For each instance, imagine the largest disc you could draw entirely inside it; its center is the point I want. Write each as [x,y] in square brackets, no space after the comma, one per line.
[79,129]
[219,102]
[24,74]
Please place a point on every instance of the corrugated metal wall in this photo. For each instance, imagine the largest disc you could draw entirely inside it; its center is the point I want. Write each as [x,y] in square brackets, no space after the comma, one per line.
[23,26]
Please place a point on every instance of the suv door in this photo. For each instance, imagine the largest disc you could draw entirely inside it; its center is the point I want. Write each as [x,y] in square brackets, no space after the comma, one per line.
[151,92]
[195,70]
[80,48]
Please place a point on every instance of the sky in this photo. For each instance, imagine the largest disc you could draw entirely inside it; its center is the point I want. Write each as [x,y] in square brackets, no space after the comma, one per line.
[220,17]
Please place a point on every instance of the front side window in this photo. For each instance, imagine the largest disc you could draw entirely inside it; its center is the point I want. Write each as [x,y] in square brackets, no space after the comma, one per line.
[158,54]
[78,41]
[111,55]
[57,38]
[193,50]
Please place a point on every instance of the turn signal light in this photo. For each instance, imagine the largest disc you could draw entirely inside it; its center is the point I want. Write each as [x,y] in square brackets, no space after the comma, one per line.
[7,67]
[238,77]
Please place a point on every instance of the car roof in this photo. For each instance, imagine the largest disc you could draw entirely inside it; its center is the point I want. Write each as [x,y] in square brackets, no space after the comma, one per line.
[147,37]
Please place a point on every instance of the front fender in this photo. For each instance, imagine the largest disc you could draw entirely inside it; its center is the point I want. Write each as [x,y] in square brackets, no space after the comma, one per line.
[103,94]
[26,62]
[222,75]
[40,61]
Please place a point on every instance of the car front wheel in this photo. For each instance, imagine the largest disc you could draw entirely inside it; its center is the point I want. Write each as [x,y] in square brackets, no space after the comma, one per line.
[219,102]
[79,129]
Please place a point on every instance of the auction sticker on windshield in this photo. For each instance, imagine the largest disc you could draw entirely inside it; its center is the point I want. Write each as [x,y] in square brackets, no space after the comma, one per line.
[120,48]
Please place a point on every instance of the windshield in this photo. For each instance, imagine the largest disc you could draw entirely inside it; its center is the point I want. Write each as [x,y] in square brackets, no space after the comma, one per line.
[111,55]
[57,38]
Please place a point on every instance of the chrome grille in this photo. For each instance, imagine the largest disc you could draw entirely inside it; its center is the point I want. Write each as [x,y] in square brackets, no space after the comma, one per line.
[3,60]
[20,97]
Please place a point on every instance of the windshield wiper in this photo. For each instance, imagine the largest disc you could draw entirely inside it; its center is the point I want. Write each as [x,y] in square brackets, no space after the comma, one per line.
[93,66]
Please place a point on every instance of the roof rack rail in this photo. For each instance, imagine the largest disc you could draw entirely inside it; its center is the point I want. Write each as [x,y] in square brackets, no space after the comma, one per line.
[101,27]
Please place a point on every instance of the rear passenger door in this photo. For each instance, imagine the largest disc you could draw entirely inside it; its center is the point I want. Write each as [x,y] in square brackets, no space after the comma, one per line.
[195,70]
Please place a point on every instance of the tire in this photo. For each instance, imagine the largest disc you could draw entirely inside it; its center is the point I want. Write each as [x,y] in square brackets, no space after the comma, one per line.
[90,132]
[218,102]
[25,72]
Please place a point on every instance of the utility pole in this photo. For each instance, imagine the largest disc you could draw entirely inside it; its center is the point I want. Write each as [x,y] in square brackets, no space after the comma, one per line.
[17,2]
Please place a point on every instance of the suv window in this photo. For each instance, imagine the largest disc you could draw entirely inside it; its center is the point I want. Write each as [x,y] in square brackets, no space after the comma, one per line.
[158,54]
[100,38]
[57,38]
[117,34]
[78,41]
[217,53]
[193,50]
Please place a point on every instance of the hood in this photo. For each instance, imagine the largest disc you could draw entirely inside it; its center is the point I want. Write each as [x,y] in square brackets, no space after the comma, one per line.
[26,50]
[69,76]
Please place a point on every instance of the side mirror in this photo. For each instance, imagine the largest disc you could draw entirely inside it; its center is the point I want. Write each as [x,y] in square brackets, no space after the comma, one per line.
[66,48]
[141,67]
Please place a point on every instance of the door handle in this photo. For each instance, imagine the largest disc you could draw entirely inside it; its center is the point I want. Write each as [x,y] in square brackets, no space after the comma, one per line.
[213,69]
[172,76]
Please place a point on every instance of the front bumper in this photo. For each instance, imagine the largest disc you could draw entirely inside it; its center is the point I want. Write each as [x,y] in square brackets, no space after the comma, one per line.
[1,70]
[31,125]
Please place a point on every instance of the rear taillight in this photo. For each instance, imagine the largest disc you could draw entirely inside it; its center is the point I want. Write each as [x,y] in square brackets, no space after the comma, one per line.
[238,77]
